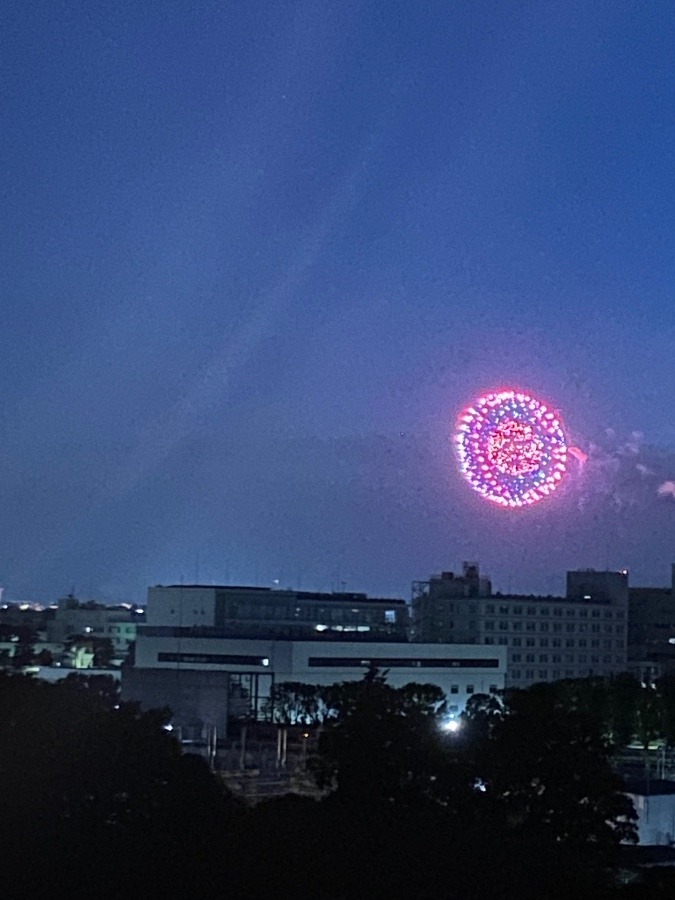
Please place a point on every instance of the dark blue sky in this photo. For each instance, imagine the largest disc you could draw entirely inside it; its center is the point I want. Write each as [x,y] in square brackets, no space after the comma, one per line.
[256,255]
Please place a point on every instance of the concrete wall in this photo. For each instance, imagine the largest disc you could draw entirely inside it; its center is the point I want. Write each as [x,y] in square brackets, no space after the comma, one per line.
[656,818]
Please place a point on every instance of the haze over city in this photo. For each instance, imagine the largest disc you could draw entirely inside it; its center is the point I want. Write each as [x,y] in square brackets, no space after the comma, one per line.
[257,257]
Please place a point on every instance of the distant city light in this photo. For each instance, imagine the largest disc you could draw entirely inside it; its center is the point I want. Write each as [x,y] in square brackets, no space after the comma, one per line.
[511,448]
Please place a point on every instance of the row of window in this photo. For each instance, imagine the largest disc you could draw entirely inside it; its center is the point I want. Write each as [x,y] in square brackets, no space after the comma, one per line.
[348,662]
[606,643]
[310,613]
[470,689]
[548,674]
[543,627]
[556,611]
[557,658]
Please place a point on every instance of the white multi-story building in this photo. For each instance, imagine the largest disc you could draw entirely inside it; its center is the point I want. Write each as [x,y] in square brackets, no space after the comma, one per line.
[546,638]
[207,674]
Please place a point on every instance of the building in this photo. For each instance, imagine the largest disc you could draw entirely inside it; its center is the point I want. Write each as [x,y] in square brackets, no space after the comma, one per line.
[651,630]
[212,654]
[546,638]
[94,620]
[654,803]
[238,611]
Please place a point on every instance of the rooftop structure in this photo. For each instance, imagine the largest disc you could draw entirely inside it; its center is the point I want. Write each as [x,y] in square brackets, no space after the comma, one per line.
[250,612]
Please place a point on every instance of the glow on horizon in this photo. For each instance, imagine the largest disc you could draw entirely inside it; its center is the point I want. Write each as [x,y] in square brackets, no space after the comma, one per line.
[511,448]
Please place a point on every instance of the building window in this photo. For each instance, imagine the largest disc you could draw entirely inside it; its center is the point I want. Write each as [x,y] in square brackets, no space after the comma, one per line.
[556,642]
[490,626]
[532,610]
[557,611]
[493,688]
[557,626]
[529,642]
[516,642]
[503,641]
[469,689]
[543,657]
[583,642]
[517,626]
[517,610]
[544,611]
[489,640]
[529,657]
[390,615]
[503,625]
[529,673]
[556,658]
[543,626]
[454,689]
[543,642]
[490,609]
[543,673]
[516,673]
[569,642]
[503,610]
[530,626]
[570,627]
[516,657]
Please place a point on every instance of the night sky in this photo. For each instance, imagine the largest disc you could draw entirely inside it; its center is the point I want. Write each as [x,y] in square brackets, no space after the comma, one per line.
[257,255]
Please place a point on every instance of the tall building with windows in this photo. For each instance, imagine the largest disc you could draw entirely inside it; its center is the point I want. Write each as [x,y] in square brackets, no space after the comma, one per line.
[546,638]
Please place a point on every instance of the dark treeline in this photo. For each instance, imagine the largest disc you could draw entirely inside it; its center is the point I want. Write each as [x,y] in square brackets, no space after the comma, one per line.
[626,710]
[521,801]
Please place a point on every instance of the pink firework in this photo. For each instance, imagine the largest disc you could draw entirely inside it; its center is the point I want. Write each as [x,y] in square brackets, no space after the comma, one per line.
[511,448]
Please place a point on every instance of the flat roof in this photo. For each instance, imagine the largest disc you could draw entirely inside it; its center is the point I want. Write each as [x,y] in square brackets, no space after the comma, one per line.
[325,596]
